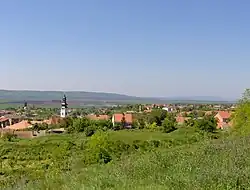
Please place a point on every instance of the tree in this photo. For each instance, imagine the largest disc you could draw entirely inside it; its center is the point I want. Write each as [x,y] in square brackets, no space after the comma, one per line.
[140,121]
[98,148]
[152,126]
[207,124]
[123,121]
[189,122]
[157,116]
[169,124]
[78,125]
[241,117]
[90,130]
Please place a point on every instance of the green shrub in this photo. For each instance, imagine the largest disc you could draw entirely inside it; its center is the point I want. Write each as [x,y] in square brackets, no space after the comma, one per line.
[89,131]
[98,148]
[8,137]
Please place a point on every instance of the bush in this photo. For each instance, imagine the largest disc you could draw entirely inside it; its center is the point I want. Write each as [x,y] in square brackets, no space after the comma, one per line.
[169,124]
[152,127]
[207,124]
[136,144]
[8,136]
[89,131]
[98,150]
[79,125]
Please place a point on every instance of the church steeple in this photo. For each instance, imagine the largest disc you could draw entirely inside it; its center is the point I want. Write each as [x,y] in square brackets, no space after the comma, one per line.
[64,106]
[25,105]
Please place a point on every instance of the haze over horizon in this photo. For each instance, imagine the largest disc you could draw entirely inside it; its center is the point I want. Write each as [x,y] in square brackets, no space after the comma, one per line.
[141,48]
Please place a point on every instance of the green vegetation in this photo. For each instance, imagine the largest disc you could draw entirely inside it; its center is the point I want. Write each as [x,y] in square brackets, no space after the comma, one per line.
[155,154]
[220,165]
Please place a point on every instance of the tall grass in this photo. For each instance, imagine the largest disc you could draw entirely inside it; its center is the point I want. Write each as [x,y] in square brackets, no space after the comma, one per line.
[183,159]
[217,165]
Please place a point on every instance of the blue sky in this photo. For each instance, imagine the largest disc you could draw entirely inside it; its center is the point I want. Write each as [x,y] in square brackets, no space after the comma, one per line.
[135,47]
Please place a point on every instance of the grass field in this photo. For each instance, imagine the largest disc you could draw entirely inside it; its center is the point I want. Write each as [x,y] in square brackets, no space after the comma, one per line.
[129,136]
[48,160]
[217,164]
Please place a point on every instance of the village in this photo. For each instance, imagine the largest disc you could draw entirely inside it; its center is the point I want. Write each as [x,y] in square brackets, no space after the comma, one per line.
[23,126]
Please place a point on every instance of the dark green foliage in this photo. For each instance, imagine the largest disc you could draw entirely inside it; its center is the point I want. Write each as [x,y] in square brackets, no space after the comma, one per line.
[117,127]
[40,126]
[241,117]
[189,122]
[103,124]
[78,125]
[8,137]
[157,116]
[169,123]
[207,124]
[89,131]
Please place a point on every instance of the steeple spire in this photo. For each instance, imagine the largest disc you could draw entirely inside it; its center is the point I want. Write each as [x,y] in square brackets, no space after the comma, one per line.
[64,106]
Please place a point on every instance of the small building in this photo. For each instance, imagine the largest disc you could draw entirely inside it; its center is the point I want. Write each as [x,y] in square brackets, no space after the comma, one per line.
[119,117]
[59,130]
[168,109]
[4,122]
[223,119]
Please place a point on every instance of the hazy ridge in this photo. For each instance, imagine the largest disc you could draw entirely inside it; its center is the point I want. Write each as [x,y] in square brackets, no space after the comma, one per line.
[82,96]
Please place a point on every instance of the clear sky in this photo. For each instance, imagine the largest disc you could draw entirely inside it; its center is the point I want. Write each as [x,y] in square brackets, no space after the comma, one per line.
[135,47]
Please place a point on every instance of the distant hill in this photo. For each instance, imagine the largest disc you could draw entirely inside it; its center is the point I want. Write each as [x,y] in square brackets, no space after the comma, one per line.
[16,96]
[36,97]
[198,98]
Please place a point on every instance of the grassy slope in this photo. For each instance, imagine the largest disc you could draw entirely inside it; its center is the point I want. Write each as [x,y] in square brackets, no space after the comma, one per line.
[220,165]
[32,158]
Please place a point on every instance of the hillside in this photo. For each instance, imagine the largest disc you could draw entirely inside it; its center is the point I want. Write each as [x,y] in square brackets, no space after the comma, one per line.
[214,164]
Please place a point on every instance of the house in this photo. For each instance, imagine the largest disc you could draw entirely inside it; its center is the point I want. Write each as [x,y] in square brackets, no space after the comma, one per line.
[168,109]
[223,119]
[181,120]
[20,126]
[4,122]
[19,134]
[6,112]
[119,117]
[98,117]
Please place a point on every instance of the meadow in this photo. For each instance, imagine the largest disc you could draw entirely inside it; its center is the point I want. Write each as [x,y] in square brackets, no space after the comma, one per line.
[44,162]
[179,161]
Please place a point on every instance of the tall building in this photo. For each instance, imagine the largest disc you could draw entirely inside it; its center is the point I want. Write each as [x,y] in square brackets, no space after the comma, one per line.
[25,105]
[64,106]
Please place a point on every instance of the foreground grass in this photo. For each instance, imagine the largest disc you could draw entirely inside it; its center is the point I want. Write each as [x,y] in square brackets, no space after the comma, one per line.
[184,159]
[217,165]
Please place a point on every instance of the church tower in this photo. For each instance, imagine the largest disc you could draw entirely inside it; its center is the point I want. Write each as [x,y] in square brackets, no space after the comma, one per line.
[25,105]
[64,107]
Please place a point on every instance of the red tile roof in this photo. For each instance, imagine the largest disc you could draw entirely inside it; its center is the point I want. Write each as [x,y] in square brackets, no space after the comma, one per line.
[2,119]
[21,125]
[224,114]
[118,117]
